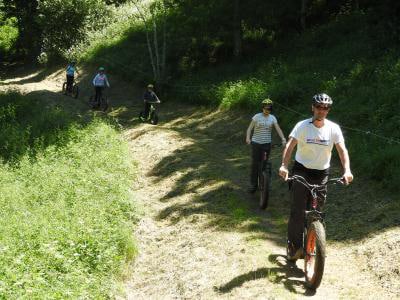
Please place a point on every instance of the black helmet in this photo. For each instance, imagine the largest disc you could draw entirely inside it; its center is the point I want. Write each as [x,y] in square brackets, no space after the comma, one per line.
[323,99]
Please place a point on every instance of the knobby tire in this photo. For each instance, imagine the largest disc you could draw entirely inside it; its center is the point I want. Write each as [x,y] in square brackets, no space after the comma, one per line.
[314,260]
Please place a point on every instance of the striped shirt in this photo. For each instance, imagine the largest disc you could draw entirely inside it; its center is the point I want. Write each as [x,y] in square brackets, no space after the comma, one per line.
[100,80]
[263,128]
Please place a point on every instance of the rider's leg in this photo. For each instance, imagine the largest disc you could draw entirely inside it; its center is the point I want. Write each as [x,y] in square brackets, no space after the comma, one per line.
[255,164]
[70,82]
[97,97]
[146,109]
[299,196]
[258,151]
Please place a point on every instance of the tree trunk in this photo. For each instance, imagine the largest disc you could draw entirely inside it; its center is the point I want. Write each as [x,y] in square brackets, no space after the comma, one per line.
[156,50]
[164,49]
[237,31]
[303,14]
[356,5]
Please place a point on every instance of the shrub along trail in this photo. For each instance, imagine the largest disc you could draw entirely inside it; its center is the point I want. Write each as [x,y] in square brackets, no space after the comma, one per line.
[202,237]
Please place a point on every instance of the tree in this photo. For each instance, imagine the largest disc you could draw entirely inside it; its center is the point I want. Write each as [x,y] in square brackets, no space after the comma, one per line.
[26,12]
[237,30]
[154,16]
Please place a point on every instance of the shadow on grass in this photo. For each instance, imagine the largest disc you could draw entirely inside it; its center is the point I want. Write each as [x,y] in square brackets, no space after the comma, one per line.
[26,74]
[287,274]
[210,174]
[210,177]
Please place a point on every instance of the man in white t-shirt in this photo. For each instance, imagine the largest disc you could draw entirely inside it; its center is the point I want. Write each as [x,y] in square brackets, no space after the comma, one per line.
[314,138]
[261,125]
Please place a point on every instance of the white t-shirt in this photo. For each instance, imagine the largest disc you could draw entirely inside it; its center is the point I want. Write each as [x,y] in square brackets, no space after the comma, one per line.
[263,128]
[314,145]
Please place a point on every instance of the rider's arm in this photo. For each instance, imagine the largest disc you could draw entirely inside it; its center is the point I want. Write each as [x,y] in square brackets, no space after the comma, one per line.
[158,100]
[248,132]
[286,155]
[107,83]
[280,132]
[345,160]
[94,80]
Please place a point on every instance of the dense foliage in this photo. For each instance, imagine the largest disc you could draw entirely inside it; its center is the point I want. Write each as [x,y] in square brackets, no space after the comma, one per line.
[8,36]
[50,27]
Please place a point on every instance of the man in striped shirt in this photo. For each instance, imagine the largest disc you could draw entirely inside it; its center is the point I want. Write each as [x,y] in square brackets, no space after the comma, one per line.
[261,126]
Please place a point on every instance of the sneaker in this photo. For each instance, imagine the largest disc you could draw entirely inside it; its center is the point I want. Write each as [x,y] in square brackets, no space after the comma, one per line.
[293,254]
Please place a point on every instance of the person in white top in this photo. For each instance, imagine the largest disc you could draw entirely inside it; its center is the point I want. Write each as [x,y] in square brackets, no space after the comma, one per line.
[261,126]
[314,138]
[100,81]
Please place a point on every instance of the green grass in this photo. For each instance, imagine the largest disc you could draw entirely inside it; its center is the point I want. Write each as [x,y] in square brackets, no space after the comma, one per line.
[67,211]
[351,60]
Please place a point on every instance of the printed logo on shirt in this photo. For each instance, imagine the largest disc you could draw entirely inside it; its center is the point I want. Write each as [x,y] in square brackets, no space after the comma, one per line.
[318,141]
[264,124]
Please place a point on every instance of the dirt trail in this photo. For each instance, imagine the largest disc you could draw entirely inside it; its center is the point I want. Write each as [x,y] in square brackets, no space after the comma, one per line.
[183,257]
[200,236]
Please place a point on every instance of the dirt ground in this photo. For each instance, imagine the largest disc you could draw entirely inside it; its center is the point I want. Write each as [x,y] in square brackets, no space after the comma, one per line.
[200,235]
[182,257]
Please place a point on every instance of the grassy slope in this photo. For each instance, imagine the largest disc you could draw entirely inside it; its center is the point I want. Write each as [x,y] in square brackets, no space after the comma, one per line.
[351,60]
[66,218]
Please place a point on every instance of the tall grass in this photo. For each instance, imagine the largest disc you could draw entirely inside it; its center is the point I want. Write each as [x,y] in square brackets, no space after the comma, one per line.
[66,217]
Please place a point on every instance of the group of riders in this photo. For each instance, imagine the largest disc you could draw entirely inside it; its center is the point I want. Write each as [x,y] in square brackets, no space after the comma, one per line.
[100,82]
[314,138]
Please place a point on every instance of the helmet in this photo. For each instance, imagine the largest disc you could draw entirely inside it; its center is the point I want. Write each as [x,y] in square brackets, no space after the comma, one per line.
[267,102]
[150,86]
[101,69]
[322,99]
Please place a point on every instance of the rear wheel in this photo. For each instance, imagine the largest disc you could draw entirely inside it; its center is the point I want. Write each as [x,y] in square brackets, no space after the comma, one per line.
[314,260]
[75,91]
[104,103]
[141,116]
[64,88]
[92,103]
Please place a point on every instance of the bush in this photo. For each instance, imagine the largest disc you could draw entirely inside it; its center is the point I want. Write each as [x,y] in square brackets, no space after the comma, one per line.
[241,94]
[8,36]
[65,22]
[27,125]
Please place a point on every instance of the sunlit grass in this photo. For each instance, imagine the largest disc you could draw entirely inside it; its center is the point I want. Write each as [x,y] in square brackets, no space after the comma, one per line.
[67,211]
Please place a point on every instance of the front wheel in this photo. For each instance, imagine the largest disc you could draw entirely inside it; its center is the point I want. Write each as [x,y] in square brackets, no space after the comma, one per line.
[314,260]
[264,189]
[265,185]
[153,118]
